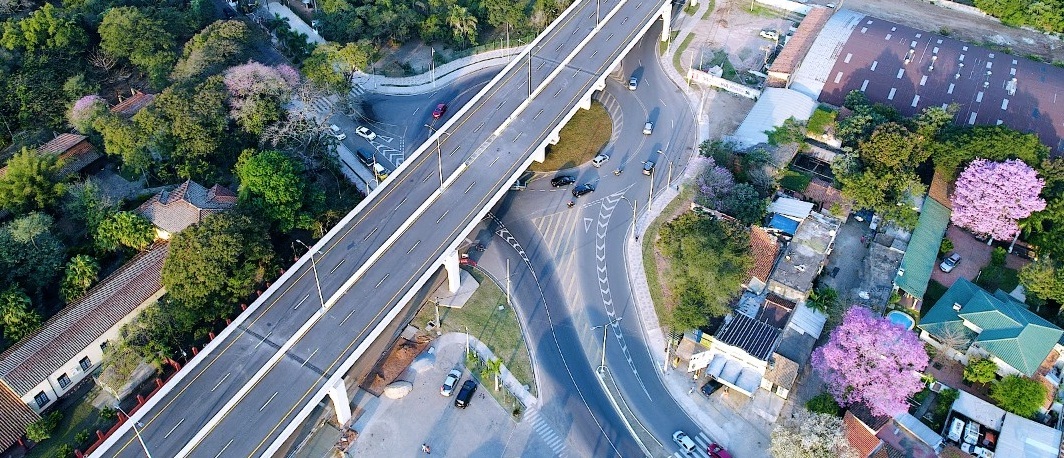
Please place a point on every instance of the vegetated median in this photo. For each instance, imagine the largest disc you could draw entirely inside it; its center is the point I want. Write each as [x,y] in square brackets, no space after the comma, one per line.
[499,329]
[579,141]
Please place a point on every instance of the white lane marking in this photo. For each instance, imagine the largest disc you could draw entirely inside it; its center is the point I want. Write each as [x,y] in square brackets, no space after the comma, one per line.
[268,401]
[223,448]
[220,381]
[301,301]
[172,429]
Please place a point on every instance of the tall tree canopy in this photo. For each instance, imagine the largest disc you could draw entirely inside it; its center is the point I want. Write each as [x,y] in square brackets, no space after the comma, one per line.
[17,316]
[130,33]
[124,229]
[994,143]
[1019,395]
[871,360]
[31,182]
[47,29]
[215,264]
[810,435]
[990,197]
[217,46]
[331,66]
[258,93]
[272,185]
[187,127]
[30,254]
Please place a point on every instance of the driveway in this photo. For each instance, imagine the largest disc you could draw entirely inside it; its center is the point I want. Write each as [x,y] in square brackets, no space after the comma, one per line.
[974,255]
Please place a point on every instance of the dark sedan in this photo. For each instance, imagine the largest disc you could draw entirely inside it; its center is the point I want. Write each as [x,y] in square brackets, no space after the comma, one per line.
[563,180]
[585,188]
[710,387]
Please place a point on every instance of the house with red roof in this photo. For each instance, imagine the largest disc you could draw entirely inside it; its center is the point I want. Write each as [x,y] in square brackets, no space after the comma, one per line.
[187,204]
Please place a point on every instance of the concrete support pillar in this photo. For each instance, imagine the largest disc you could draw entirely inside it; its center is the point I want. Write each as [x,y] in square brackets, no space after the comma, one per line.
[666,19]
[453,272]
[540,155]
[341,403]
[585,101]
[554,138]
[600,84]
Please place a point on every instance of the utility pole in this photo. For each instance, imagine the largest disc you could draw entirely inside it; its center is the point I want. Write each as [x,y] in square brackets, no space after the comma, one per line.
[135,430]
[314,267]
[530,49]
[508,283]
[439,153]
[432,65]
[605,329]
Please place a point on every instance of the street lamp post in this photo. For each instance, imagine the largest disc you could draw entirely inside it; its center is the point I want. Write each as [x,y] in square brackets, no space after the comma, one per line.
[605,329]
[530,50]
[136,431]
[432,65]
[314,267]
[439,153]
[668,179]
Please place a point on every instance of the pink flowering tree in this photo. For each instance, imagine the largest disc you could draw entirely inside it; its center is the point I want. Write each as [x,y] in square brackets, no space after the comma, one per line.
[85,110]
[258,93]
[714,185]
[871,360]
[990,197]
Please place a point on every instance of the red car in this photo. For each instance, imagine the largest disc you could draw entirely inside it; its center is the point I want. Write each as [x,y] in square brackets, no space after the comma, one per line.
[716,451]
[439,111]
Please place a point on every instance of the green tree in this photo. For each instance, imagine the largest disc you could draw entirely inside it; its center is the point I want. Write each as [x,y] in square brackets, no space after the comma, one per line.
[1044,279]
[1045,229]
[29,255]
[744,204]
[122,138]
[217,263]
[129,33]
[708,261]
[506,13]
[42,429]
[1019,395]
[463,24]
[272,184]
[980,370]
[791,131]
[331,66]
[81,272]
[823,299]
[823,403]
[124,229]
[17,315]
[994,143]
[219,45]
[46,29]
[32,182]
[492,370]
[87,206]
[187,127]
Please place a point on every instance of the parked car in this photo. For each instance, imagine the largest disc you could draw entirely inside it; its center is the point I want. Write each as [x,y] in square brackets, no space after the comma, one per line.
[563,180]
[830,5]
[633,83]
[380,171]
[364,132]
[450,382]
[687,445]
[648,128]
[335,131]
[600,159]
[770,34]
[585,188]
[439,111]
[648,167]
[716,451]
[950,262]
[465,394]
[710,387]
[365,158]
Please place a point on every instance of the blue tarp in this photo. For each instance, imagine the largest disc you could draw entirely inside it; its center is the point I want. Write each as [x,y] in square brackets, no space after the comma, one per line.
[783,223]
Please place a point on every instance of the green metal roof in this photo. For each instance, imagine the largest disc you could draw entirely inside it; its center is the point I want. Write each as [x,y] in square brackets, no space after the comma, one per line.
[920,256]
[1009,331]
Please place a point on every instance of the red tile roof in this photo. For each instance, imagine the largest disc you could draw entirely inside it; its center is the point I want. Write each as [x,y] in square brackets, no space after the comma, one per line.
[794,51]
[132,104]
[765,249]
[186,205]
[862,439]
[74,151]
[39,355]
[15,416]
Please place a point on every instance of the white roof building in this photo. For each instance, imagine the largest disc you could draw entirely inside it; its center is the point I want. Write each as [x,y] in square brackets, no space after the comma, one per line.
[775,106]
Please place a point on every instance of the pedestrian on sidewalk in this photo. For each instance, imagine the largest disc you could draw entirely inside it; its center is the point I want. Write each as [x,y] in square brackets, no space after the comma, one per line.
[425,448]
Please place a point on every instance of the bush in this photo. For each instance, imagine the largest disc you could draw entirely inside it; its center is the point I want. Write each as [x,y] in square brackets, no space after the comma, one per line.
[946,246]
[1019,395]
[997,256]
[821,119]
[64,451]
[81,438]
[980,370]
[823,403]
[42,429]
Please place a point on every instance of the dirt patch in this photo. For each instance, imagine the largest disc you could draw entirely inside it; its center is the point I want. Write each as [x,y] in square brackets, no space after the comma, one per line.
[392,366]
[735,30]
[962,26]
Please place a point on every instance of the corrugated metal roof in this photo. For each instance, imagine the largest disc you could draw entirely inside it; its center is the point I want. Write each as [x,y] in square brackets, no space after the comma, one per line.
[980,411]
[1028,439]
[807,320]
[918,429]
[774,107]
[756,338]
[920,256]
[797,209]
[63,336]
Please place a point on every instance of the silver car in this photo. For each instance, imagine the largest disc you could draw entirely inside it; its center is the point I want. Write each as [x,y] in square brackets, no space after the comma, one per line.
[450,382]
[633,83]
[648,128]
[949,263]
[365,133]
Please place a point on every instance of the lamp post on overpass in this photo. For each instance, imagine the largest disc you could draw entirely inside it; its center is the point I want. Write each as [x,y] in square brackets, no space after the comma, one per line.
[605,329]
[136,431]
[439,152]
[314,267]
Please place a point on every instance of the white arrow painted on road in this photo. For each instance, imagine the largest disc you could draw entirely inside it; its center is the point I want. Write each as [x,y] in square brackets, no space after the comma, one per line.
[587,224]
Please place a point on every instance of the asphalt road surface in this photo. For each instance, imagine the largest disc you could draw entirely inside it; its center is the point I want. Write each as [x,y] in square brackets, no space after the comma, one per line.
[277,391]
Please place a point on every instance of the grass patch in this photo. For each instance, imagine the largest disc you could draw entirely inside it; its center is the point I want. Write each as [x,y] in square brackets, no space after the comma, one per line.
[580,140]
[498,329]
[712,4]
[993,278]
[650,254]
[690,9]
[934,292]
[679,50]
[720,59]
[763,11]
[78,415]
[795,181]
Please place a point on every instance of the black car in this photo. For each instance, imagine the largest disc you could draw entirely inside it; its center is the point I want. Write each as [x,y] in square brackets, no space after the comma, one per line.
[585,188]
[563,180]
[648,167]
[710,387]
[468,388]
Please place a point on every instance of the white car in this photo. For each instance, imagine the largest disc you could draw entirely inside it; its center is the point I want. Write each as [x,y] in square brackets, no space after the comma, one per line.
[600,159]
[633,83]
[684,441]
[364,132]
[648,128]
[770,34]
[450,382]
[335,131]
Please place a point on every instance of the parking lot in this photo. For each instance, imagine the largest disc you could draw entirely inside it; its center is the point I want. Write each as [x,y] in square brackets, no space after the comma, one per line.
[912,70]
[398,427]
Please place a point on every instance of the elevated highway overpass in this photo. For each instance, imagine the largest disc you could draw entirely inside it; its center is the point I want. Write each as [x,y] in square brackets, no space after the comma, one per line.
[252,387]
